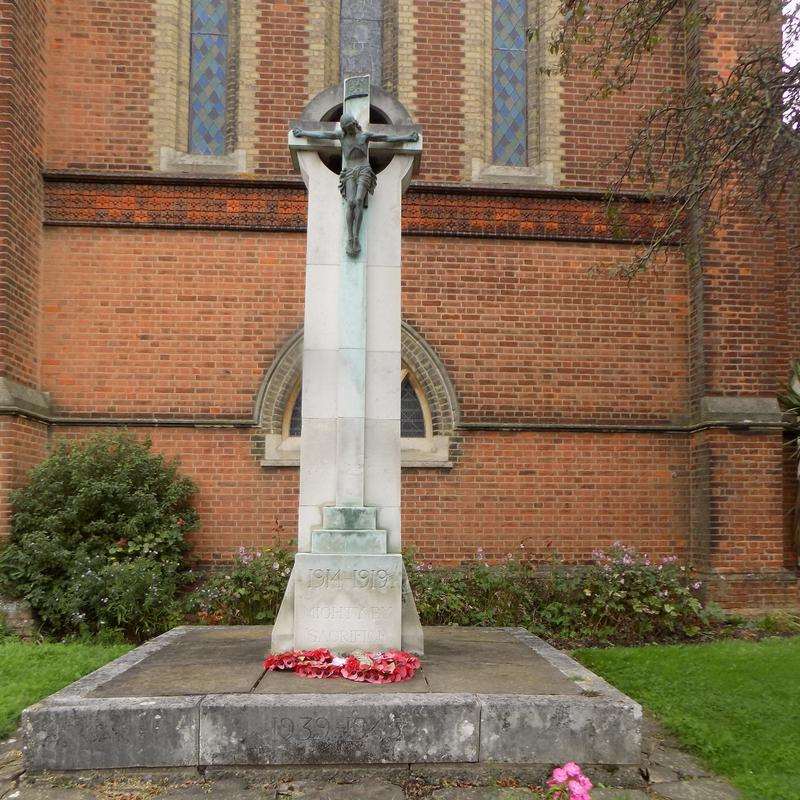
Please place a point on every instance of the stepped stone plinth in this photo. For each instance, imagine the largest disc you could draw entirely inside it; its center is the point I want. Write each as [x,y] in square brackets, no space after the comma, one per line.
[199,697]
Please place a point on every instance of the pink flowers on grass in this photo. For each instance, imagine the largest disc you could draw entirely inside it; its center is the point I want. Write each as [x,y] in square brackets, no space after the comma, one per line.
[568,783]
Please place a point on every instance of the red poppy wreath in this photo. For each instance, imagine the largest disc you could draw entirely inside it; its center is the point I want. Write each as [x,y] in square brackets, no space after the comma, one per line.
[390,666]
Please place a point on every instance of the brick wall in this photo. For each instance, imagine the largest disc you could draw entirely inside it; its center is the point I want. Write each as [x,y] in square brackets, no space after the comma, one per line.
[597,129]
[100,94]
[548,492]
[21,90]
[179,313]
[281,84]
[104,104]
[174,323]
[23,444]
[22,30]
[535,331]
[185,323]
[439,86]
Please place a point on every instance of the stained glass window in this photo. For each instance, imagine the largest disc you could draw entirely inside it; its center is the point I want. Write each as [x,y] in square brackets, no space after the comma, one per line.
[412,418]
[208,77]
[296,420]
[509,83]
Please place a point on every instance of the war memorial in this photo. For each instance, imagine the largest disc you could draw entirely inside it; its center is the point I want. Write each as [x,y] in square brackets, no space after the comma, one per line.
[199,697]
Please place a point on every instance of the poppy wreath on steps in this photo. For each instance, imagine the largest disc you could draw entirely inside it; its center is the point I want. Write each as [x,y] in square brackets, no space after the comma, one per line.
[391,666]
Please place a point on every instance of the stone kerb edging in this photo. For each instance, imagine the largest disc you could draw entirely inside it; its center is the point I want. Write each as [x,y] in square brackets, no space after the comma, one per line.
[72,731]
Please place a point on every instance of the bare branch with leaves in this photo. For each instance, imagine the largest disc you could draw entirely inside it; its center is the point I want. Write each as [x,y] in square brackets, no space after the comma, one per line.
[727,139]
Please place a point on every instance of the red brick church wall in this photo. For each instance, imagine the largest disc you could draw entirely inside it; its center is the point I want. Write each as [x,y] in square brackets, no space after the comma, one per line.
[169,298]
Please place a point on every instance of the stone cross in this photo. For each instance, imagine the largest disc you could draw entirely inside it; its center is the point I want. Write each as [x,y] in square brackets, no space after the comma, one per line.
[348,590]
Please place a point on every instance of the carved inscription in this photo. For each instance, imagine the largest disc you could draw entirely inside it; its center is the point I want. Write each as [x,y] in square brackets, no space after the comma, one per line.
[303,728]
[372,613]
[348,602]
[346,636]
[351,578]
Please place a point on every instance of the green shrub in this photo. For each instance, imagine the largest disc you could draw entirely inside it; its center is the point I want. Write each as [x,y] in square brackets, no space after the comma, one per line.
[622,597]
[248,594]
[97,538]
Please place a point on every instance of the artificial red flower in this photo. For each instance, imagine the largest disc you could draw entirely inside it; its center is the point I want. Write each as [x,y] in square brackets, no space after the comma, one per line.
[318,663]
[389,667]
[286,660]
[318,654]
[319,669]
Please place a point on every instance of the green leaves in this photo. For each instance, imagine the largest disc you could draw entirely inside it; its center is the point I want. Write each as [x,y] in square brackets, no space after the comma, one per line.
[103,517]
[622,597]
[249,593]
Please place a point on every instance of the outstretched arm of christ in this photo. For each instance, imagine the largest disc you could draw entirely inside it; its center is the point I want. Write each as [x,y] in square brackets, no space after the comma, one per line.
[385,137]
[299,132]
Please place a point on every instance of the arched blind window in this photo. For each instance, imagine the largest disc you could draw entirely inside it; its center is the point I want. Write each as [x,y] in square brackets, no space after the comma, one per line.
[412,416]
[296,420]
[208,77]
[412,419]
[509,83]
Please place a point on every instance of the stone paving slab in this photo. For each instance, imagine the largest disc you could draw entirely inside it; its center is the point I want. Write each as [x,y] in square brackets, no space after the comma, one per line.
[473,781]
[515,676]
[484,793]
[319,790]
[542,730]
[696,789]
[112,734]
[203,661]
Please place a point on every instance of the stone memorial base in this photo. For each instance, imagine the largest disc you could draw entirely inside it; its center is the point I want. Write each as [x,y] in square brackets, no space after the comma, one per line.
[198,697]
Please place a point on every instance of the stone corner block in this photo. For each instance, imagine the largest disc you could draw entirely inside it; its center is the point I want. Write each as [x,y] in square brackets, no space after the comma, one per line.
[18,616]
[554,729]
[112,733]
[349,518]
[356,542]
[740,410]
[17,397]
[334,729]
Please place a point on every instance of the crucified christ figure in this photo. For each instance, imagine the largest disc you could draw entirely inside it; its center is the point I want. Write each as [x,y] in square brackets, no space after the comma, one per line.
[357,179]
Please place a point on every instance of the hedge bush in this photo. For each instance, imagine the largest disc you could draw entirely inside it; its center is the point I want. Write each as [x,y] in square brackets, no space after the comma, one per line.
[98,537]
[249,593]
[622,597]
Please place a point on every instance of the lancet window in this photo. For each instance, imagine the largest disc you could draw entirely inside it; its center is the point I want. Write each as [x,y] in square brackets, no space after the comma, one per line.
[509,83]
[209,90]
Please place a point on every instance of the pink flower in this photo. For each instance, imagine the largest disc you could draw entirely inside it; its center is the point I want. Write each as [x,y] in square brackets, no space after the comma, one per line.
[585,783]
[559,776]
[572,769]
[576,791]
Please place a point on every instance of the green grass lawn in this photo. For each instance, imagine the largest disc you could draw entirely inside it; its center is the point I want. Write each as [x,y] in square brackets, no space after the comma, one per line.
[736,704]
[29,672]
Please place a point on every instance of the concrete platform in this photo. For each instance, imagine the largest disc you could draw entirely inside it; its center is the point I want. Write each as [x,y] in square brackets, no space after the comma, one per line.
[198,697]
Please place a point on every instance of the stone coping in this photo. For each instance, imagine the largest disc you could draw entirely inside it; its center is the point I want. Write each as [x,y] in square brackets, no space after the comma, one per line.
[578,716]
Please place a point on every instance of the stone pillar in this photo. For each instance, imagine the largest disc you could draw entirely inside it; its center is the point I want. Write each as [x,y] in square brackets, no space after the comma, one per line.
[348,589]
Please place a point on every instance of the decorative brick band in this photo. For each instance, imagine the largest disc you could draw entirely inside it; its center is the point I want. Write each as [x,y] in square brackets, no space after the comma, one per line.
[434,210]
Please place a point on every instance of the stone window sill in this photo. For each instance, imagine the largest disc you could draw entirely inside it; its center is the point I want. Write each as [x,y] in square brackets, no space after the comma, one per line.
[542,174]
[421,453]
[175,161]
